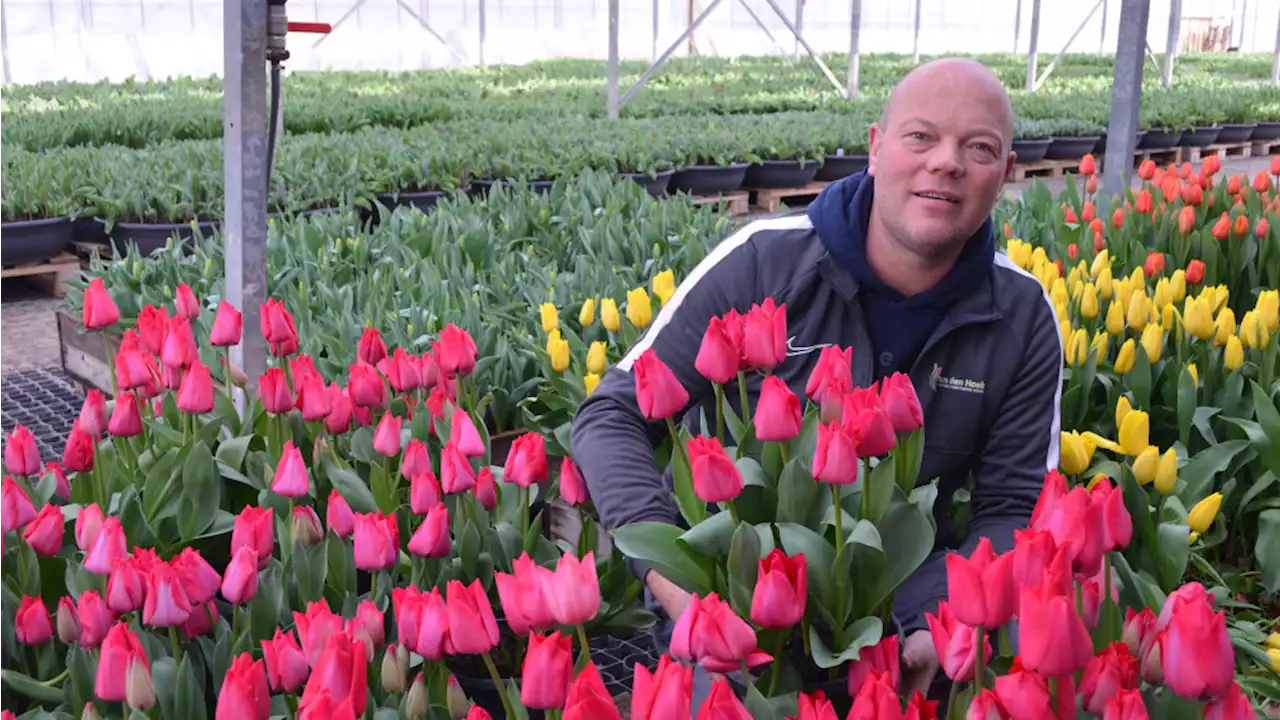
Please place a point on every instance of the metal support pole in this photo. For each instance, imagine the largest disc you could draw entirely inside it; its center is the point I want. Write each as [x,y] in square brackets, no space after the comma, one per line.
[1171,42]
[688,32]
[482,31]
[4,43]
[1035,41]
[915,37]
[1244,14]
[750,11]
[1126,96]
[611,102]
[1056,58]
[653,53]
[855,29]
[1275,60]
[1102,39]
[245,166]
[805,44]
[1017,26]
[795,48]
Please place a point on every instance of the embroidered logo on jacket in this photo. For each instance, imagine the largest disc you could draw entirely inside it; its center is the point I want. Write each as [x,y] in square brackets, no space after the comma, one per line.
[937,379]
[794,351]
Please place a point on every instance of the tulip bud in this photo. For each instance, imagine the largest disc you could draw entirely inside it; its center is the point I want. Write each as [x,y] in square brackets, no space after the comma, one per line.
[1115,317]
[89,712]
[139,692]
[609,315]
[459,705]
[664,285]
[596,357]
[1203,514]
[1134,431]
[550,317]
[67,621]
[1233,356]
[305,526]
[415,703]
[639,308]
[395,668]
[587,315]
[1167,472]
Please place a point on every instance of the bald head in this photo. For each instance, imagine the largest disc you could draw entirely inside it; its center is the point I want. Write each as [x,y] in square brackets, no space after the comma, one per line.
[957,78]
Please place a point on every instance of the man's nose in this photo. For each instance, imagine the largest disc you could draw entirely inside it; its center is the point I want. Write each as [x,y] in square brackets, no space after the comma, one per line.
[946,158]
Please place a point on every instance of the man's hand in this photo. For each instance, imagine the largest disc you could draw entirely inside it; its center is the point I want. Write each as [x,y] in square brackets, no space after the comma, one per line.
[920,662]
[672,597]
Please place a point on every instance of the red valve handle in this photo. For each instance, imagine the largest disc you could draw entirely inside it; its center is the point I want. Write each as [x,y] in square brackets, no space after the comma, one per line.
[311,27]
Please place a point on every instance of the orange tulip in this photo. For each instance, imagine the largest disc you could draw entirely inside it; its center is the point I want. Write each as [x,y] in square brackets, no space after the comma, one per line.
[1073,251]
[1099,244]
[1241,226]
[1184,172]
[1144,205]
[1088,213]
[1088,165]
[1091,186]
[1261,229]
[1275,165]
[1069,216]
[1147,170]
[1212,165]
[1169,187]
[1222,227]
[1192,194]
[1186,219]
[1261,182]
[1117,218]
[1234,183]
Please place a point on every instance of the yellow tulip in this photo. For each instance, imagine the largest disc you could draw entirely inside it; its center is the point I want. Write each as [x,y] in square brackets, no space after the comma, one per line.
[1163,294]
[1123,408]
[664,285]
[1020,253]
[609,315]
[1233,356]
[558,349]
[596,357]
[1192,537]
[1166,317]
[1094,440]
[590,381]
[1274,656]
[1139,310]
[1138,278]
[1195,374]
[1060,308]
[1105,283]
[1268,307]
[1124,359]
[1153,342]
[1273,641]
[1124,292]
[1225,327]
[550,318]
[1198,318]
[1167,472]
[1134,432]
[1064,330]
[1115,317]
[588,313]
[1100,477]
[1039,258]
[1253,331]
[1078,348]
[1101,342]
[1101,263]
[1202,515]
[1178,283]
[1089,302]
[1147,465]
[1074,456]
[639,308]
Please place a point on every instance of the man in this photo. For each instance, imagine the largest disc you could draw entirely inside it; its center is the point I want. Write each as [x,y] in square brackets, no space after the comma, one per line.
[898,263]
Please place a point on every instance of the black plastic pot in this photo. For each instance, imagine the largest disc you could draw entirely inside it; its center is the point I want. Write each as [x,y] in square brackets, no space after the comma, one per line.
[152,237]
[708,179]
[1268,130]
[89,229]
[1236,132]
[1199,137]
[656,185]
[482,187]
[1029,151]
[1070,148]
[29,241]
[780,174]
[1100,147]
[835,167]
[423,201]
[1160,139]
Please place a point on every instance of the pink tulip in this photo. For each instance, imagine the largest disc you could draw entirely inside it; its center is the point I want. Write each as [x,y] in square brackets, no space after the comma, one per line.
[44,534]
[338,420]
[364,384]
[547,671]
[386,439]
[523,595]
[180,348]
[199,579]
[1110,671]
[432,538]
[315,628]
[370,348]
[287,667]
[377,541]
[17,511]
[778,417]
[240,581]
[244,694]
[369,626]
[415,461]
[456,352]
[834,364]
[880,658]
[835,460]
[167,603]
[1232,705]
[712,635]
[464,435]
[781,590]
[119,648]
[255,527]
[402,371]
[573,593]
[955,643]
[765,336]
[93,413]
[719,358]
[227,326]
[80,450]
[94,617]
[1054,639]
[527,461]
[1198,658]
[314,401]
[901,404]
[456,473]
[666,694]
[573,488]
[986,706]
[32,624]
[98,309]
[127,586]
[108,547]
[424,492]
[290,477]
[486,489]
[187,304]
[472,628]
[67,621]
[339,516]
[659,393]
[981,587]
[716,478]
[126,418]
[422,621]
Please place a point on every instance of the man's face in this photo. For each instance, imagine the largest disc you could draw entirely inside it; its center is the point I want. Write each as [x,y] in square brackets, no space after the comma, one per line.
[940,162]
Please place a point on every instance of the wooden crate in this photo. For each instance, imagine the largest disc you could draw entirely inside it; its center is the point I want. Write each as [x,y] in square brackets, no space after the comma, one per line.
[1161,157]
[1266,147]
[83,354]
[770,199]
[737,203]
[54,274]
[1222,150]
[1043,169]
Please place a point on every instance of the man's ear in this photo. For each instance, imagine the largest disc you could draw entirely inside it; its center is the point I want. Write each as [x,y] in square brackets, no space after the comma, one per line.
[874,136]
[1009,163]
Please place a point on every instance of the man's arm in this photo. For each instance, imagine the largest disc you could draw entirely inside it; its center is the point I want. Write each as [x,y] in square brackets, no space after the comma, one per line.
[612,442]
[1022,445]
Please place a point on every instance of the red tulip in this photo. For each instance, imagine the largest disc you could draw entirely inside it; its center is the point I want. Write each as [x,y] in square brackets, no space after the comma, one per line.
[422,621]
[781,589]
[918,708]
[981,587]
[278,328]
[472,627]
[1197,655]
[338,419]
[371,349]
[196,394]
[778,416]
[16,509]
[573,592]
[486,489]
[338,515]
[835,460]
[93,416]
[44,533]
[377,541]
[119,648]
[524,595]
[180,348]
[1024,694]
[364,384]
[877,699]
[901,404]
[815,707]
[1139,631]
[127,586]
[32,623]
[986,706]
[244,694]
[67,621]
[716,478]
[240,581]
[456,474]
[152,327]
[290,477]
[764,342]
[709,633]
[1186,219]
[187,304]
[200,621]
[457,351]
[255,528]
[527,461]
[1128,705]
[1033,552]
[573,488]
[227,326]
[1233,705]
[1116,525]
[167,603]
[198,578]
[424,491]
[463,434]
[1054,639]
[432,537]
[126,419]
[314,399]
[864,413]
[547,671]
[403,371]
[416,461]
[273,390]
[287,667]
[719,358]
[315,628]
[80,450]
[880,658]
[955,643]
[136,370]
[369,627]
[386,439]
[1110,671]
[1065,514]
[834,363]
[658,391]
[589,700]
[107,548]
[99,310]
[664,695]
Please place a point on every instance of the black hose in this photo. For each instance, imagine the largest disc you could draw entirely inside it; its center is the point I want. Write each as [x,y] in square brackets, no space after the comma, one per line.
[273,118]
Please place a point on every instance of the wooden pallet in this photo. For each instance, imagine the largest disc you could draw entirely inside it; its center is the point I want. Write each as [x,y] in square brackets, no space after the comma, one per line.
[770,199]
[54,274]
[1266,147]
[1222,150]
[737,203]
[1161,156]
[1043,169]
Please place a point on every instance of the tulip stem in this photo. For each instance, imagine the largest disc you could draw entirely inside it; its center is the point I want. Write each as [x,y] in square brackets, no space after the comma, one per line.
[498,685]
[733,513]
[719,412]
[524,495]
[226,356]
[777,665]
[586,646]
[746,676]
[784,452]
[177,646]
[745,410]
[111,365]
[952,696]
[56,678]
[980,664]
[838,510]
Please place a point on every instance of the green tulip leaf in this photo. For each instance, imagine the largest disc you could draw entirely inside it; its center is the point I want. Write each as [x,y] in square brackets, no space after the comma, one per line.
[658,545]
[799,495]
[1267,549]
[847,644]
[1196,477]
[30,687]
[351,488]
